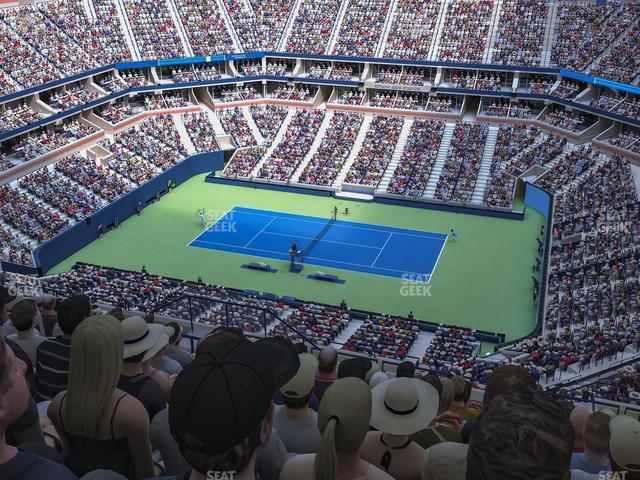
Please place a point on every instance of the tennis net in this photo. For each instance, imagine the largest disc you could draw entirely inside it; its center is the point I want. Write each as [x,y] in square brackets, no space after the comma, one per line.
[312,244]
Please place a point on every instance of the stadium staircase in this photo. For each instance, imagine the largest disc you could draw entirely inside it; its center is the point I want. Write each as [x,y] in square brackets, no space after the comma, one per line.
[252,125]
[184,135]
[485,167]
[314,146]
[237,46]
[282,43]
[493,32]
[397,155]
[182,33]
[87,5]
[357,145]
[215,121]
[387,28]
[127,30]
[549,34]
[434,176]
[336,28]
[437,32]
[276,141]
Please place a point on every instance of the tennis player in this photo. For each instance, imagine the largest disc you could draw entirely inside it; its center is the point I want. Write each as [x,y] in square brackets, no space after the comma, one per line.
[202,216]
[453,236]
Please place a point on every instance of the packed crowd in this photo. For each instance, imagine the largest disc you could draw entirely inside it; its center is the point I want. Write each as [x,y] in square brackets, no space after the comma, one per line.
[540,154]
[629,140]
[197,73]
[154,30]
[71,97]
[245,25]
[56,190]
[388,99]
[316,323]
[201,131]
[522,109]
[622,62]
[272,17]
[312,27]
[351,97]
[510,141]
[450,348]
[93,177]
[244,161]
[19,116]
[236,94]
[411,176]
[441,103]
[493,82]
[14,250]
[334,149]
[206,28]
[561,118]
[236,125]
[465,31]
[331,72]
[49,139]
[268,119]
[288,154]
[497,108]
[296,94]
[462,79]
[361,28]
[384,336]
[412,29]
[399,76]
[120,111]
[567,89]
[520,34]
[568,169]
[376,151]
[459,173]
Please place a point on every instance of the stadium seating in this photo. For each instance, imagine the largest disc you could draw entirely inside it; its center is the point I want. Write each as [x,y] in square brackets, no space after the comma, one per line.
[234,122]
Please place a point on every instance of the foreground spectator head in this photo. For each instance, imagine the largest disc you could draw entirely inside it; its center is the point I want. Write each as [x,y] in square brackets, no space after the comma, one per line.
[507,378]
[6,302]
[406,369]
[174,331]
[578,419]
[446,395]
[354,367]
[327,360]
[72,311]
[230,386]
[13,389]
[522,434]
[377,378]
[96,362]
[343,419]
[625,445]
[403,406]
[141,340]
[296,393]
[24,315]
[597,434]
[218,335]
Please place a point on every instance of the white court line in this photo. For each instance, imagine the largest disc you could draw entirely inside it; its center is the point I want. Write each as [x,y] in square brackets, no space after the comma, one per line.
[433,270]
[209,226]
[368,229]
[382,249]
[261,230]
[316,258]
[322,240]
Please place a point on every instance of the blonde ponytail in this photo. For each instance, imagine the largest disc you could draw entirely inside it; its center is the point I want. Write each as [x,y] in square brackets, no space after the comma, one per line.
[326,462]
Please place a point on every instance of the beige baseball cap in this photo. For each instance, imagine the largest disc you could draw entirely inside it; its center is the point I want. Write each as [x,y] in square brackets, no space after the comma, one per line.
[625,442]
[304,380]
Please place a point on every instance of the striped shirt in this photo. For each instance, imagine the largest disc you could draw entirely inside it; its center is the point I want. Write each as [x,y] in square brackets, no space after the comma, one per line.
[52,367]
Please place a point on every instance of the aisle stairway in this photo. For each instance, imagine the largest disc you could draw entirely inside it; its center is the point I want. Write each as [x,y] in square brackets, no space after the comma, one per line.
[397,155]
[440,160]
[276,141]
[357,145]
[314,146]
[485,167]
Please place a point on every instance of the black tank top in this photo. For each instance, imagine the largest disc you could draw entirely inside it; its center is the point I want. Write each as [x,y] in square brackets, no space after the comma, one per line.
[87,454]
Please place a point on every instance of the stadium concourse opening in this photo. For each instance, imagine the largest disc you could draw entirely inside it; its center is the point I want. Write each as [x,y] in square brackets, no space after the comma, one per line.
[376,249]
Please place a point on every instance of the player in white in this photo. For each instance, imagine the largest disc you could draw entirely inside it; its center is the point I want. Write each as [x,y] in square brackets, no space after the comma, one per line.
[203,217]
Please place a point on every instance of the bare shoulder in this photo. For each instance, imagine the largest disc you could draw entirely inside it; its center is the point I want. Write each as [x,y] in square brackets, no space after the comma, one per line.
[299,467]
[130,412]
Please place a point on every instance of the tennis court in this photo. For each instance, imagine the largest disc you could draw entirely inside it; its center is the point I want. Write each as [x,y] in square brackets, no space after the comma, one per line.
[360,247]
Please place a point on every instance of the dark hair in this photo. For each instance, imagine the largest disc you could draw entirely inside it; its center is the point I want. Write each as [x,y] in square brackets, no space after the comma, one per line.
[136,358]
[301,347]
[405,369]
[354,367]
[596,433]
[72,311]
[117,313]
[434,381]
[22,314]
[521,435]
[235,459]
[297,403]
[507,378]
[220,333]
[150,317]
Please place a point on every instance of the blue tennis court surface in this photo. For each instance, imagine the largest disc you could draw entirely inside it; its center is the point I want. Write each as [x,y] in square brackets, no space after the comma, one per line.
[375,249]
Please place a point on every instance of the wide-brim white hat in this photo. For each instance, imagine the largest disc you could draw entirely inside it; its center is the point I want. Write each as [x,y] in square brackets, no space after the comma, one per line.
[403,406]
[139,337]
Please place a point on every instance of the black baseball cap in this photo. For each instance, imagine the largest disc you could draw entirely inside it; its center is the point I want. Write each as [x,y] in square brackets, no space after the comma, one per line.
[221,397]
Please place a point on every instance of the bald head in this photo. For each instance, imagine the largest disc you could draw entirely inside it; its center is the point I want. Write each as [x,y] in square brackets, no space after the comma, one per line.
[327,360]
[578,419]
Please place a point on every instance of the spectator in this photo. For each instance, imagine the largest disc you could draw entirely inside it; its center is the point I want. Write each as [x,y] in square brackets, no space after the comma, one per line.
[578,419]
[141,342]
[230,385]
[14,394]
[49,315]
[400,407]
[377,378]
[25,317]
[596,441]
[624,446]
[174,350]
[524,435]
[162,361]
[295,421]
[327,365]
[100,425]
[462,393]
[354,367]
[343,420]
[54,354]
[406,369]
